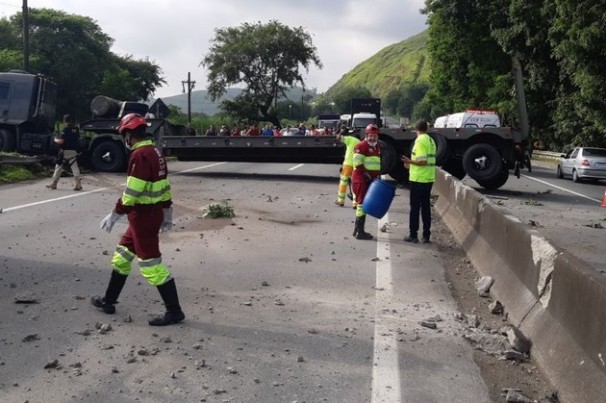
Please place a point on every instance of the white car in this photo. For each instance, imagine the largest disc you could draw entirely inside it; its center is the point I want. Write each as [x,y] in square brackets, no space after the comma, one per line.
[583,163]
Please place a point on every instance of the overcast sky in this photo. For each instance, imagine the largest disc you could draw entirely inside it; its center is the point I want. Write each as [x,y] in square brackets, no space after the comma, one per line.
[176,34]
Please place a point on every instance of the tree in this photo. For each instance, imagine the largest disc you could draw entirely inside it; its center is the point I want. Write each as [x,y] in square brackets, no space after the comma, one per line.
[577,36]
[465,59]
[267,58]
[75,53]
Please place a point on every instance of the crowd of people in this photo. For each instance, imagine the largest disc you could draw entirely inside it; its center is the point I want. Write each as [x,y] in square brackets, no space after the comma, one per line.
[268,130]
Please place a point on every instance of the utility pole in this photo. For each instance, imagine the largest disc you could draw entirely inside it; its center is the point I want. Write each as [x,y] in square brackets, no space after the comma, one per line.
[190,86]
[25,36]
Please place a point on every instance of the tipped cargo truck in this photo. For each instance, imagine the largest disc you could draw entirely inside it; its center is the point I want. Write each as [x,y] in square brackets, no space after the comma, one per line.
[486,154]
[27,113]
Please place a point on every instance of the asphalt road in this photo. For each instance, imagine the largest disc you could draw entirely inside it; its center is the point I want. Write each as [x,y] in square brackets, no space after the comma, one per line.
[282,304]
[568,214]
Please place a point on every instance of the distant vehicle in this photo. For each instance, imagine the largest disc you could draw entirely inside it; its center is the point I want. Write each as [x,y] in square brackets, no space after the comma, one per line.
[583,163]
[293,131]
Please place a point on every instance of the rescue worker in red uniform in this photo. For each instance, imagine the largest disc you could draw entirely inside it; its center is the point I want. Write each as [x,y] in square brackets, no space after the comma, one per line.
[146,201]
[367,167]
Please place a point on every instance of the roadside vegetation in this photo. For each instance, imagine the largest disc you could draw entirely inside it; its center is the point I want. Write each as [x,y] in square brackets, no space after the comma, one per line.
[19,173]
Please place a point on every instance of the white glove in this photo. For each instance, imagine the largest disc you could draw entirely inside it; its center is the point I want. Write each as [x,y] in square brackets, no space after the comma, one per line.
[167,224]
[108,222]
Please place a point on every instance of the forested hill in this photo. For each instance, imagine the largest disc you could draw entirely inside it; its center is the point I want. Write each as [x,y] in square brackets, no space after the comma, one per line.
[402,62]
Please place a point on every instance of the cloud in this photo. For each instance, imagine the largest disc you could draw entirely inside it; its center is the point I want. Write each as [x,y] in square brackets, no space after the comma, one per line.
[176,34]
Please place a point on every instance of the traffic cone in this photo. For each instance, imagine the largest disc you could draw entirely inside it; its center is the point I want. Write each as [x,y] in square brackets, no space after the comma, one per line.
[604,199]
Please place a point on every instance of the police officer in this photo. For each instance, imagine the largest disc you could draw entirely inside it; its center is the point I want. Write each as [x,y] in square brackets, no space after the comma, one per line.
[422,175]
[147,202]
[68,143]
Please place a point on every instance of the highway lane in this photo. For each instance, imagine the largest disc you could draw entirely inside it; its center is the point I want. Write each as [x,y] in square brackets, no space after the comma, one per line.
[567,213]
[282,304]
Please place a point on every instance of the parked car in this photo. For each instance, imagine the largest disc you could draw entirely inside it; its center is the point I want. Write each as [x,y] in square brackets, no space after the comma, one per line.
[583,163]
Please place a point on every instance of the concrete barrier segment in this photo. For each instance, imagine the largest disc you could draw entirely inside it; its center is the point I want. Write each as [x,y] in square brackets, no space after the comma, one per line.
[555,299]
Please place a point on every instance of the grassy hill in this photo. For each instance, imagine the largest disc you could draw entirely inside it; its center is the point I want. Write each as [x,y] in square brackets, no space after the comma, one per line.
[402,62]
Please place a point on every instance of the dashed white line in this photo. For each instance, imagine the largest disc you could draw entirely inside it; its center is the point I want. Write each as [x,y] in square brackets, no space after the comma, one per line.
[562,189]
[80,194]
[295,167]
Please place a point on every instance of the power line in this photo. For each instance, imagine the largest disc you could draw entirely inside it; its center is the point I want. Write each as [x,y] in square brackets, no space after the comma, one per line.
[10,5]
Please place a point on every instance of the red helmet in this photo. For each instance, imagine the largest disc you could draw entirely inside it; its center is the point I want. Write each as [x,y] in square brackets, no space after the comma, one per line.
[371,128]
[131,121]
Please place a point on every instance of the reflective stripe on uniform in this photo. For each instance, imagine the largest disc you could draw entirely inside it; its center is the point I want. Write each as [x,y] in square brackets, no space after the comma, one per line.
[154,271]
[139,191]
[122,260]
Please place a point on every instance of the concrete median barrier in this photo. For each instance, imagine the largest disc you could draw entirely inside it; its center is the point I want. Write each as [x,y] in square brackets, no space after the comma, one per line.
[554,298]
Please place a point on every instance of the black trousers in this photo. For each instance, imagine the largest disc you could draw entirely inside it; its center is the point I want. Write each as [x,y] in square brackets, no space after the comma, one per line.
[420,195]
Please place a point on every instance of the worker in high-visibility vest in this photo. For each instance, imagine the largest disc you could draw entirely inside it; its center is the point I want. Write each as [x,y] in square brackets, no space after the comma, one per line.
[367,167]
[347,167]
[146,201]
[422,174]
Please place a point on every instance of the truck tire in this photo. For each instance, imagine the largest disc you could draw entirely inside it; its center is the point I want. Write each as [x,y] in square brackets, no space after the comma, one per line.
[390,162]
[482,162]
[108,156]
[454,166]
[7,141]
[497,182]
[442,148]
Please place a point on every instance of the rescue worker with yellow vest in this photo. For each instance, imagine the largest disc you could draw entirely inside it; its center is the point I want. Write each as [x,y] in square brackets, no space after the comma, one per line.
[422,175]
[347,167]
[367,166]
[146,201]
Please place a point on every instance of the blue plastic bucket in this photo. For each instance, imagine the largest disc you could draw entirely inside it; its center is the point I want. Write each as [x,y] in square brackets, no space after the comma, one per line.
[378,198]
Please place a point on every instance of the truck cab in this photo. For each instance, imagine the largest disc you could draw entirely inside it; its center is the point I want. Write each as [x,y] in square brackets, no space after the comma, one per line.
[27,112]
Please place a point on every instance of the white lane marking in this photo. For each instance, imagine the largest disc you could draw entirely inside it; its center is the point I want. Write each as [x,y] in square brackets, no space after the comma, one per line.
[52,200]
[385,365]
[198,168]
[562,189]
[93,191]
[295,167]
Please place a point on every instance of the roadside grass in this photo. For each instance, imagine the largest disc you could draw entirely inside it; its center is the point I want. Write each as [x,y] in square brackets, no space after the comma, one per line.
[19,173]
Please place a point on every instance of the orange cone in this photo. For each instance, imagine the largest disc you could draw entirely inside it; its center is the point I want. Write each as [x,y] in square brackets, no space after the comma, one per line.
[604,199]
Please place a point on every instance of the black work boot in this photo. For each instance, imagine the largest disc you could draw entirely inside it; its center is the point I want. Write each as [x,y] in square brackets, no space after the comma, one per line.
[174,314]
[361,233]
[114,288]
[356,227]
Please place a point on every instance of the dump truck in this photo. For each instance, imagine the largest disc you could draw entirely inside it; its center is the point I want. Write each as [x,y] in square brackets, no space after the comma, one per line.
[27,113]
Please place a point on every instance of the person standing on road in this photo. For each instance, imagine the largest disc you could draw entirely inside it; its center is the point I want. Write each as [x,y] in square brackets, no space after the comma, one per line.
[347,167]
[68,142]
[146,201]
[422,175]
[367,166]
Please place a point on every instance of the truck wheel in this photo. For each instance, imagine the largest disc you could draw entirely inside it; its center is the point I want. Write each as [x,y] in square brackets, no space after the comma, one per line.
[108,156]
[497,182]
[482,162]
[390,163]
[455,168]
[442,148]
[7,141]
